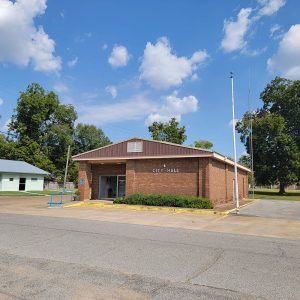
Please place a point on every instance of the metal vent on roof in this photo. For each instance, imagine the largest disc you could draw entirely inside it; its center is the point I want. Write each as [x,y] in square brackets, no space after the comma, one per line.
[135,147]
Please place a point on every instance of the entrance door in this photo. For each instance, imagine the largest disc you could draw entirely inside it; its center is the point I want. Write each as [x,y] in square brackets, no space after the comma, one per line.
[22,184]
[112,186]
[121,186]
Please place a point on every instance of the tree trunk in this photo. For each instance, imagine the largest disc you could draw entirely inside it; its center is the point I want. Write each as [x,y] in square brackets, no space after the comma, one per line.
[281,188]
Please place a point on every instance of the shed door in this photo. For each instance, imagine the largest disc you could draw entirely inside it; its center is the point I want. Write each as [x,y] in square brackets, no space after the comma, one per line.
[22,184]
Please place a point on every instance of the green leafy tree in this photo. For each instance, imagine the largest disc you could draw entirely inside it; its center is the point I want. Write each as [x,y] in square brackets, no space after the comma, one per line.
[276,159]
[168,132]
[203,144]
[245,160]
[41,129]
[88,137]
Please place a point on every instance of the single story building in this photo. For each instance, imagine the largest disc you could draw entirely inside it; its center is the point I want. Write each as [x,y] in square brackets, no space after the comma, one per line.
[20,176]
[149,166]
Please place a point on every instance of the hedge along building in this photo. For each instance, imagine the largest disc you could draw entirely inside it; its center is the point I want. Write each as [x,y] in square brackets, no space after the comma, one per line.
[146,166]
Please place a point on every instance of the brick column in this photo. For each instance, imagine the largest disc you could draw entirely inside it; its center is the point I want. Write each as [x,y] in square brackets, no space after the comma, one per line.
[203,177]
[130,177]
[84,181]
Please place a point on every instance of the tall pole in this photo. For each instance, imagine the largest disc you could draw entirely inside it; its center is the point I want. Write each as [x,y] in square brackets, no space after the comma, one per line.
[234,148]
[251,139]
[66,170]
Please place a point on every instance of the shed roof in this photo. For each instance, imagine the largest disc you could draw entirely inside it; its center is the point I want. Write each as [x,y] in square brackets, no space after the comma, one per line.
[150,149]
[18,166]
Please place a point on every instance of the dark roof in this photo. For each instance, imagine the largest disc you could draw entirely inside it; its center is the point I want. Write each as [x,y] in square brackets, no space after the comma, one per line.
[150,149]
[17,166]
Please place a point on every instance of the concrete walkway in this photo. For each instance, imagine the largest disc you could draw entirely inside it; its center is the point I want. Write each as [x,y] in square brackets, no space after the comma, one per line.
[242,224]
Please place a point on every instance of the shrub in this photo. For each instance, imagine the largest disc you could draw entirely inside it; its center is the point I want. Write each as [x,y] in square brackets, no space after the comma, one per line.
[165,200]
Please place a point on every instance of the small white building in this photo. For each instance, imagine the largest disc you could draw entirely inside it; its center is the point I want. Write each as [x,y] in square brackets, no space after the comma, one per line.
[20,176]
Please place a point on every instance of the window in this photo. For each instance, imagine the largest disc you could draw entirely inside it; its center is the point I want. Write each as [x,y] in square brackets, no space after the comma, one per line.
[34,179]
[11,179]
[135,147]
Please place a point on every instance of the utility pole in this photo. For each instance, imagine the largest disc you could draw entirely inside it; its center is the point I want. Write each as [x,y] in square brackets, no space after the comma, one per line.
[66,170]
[234,148]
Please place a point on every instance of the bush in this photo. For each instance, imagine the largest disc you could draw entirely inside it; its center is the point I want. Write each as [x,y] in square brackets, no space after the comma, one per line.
[165,200]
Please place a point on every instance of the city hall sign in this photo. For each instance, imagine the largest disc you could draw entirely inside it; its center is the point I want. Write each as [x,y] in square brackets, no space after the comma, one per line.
[165,169]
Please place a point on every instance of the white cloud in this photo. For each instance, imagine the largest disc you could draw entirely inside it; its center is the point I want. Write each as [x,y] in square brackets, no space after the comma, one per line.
[60,87]
[195,77]
[83,37]
[135,108]
[235,31]
[270,7]
[138,107]
[231,122]
[119,57]
[1,101]
[104,46]
[4,128]
[21,41]
[274,29]
[161,68]
[73,62]
[111,89]
[287,58]
[173,106]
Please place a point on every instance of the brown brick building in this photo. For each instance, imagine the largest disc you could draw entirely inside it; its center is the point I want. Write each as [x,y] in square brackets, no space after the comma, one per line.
[147,166]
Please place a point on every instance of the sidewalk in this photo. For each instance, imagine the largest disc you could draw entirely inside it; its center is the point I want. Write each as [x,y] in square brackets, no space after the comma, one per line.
[227,223]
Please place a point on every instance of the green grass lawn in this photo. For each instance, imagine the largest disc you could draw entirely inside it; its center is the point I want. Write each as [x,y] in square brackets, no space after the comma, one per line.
[23,194]
[32,193]
[272,194]
[47,192]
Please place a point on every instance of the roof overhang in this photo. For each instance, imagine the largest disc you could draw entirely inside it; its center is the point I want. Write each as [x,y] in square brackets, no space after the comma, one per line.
[107,160]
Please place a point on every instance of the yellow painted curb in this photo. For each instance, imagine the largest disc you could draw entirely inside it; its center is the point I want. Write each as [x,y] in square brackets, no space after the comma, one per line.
[147,208]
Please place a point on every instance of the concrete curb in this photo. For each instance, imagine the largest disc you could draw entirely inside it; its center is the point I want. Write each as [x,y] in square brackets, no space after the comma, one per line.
[147,208]
[244,205]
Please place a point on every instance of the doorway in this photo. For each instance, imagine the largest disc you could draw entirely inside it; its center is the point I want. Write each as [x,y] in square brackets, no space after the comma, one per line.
[22,184]
[112,186]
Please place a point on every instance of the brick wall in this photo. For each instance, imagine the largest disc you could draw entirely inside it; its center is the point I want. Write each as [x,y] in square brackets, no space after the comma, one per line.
[221,182]
[204,177]
[141,178]
[84,175]
[105,169]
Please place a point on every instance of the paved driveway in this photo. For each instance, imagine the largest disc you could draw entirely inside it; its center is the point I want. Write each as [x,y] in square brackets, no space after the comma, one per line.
[276,209]
[64,258]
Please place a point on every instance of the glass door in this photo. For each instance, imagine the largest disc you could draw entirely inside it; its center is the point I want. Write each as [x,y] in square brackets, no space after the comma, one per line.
[121,186]
[108,187]
[112,186]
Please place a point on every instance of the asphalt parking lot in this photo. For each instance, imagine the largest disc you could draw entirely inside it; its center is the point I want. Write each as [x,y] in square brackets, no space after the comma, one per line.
[92,253]
[276,209]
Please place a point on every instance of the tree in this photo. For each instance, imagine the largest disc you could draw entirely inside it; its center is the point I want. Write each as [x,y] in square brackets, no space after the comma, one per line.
[88,137]
[245,160]
[203,144]
[41,129]
[168,132]
[275,150]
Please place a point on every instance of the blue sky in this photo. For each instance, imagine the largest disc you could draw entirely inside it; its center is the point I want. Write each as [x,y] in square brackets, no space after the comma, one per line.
[124,64]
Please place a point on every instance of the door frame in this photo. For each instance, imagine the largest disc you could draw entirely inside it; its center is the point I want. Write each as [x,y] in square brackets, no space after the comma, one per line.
[117,190]
[22,183]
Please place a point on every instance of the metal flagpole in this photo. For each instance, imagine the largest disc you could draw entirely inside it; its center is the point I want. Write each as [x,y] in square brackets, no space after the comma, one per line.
[67,164]
[234,148]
